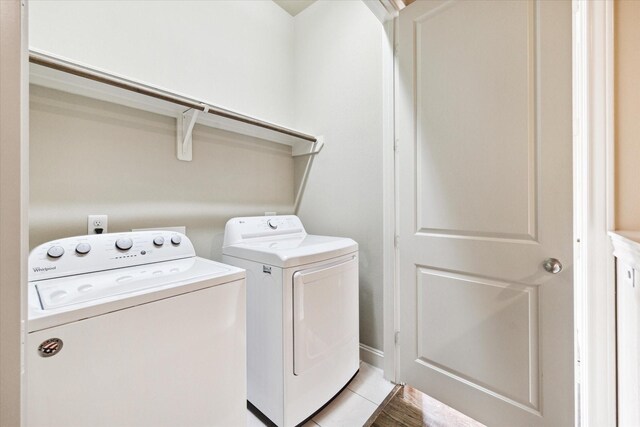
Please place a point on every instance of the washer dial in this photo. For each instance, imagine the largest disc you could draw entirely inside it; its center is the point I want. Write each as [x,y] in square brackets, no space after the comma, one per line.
[83,248]
[124,244]
[55,251]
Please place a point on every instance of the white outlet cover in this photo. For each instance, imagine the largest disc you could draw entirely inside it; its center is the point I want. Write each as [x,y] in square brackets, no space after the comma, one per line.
[91,223]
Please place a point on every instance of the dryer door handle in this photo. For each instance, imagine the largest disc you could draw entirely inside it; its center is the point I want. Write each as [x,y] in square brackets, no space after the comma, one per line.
[324,268]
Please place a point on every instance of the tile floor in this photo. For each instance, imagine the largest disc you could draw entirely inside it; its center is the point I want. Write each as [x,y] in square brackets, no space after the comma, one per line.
[353,406]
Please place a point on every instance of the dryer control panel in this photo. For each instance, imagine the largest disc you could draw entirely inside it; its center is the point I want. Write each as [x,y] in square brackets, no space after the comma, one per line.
[255,228]
[99,252]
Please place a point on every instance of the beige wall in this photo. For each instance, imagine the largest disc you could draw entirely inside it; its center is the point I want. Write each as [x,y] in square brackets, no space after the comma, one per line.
[338,53]
[233,54]
[627,114]
[94,157]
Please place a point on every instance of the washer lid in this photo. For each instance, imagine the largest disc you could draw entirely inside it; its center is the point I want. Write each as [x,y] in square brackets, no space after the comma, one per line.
[69,299]
[67,291]
[292,251]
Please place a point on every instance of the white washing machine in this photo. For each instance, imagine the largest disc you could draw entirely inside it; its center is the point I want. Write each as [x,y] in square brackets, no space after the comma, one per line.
[132,330]
[302,314]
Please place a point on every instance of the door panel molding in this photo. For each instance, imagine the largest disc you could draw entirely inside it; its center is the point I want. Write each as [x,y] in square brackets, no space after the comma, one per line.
[474,331]
[435,41]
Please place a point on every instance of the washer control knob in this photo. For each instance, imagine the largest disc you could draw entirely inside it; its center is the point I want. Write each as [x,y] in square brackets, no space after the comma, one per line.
[176,240]
[158,241]
[55,251]
[272,224]
[83,248]
[124,244]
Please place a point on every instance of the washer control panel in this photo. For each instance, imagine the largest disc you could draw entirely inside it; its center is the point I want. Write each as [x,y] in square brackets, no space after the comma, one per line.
[99,252]
[253,228]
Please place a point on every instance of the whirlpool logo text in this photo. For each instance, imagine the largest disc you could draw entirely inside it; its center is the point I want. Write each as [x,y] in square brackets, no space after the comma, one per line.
[42,269]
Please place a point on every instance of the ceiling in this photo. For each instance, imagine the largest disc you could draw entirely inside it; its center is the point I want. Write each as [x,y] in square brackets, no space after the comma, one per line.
[294,7]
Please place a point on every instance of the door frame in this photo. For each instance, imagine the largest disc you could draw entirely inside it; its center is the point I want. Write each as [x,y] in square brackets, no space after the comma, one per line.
[593,196]
[390,298]
[14,199]
[594,186]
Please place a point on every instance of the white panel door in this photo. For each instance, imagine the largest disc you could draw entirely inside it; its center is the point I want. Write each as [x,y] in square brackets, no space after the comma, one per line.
[485,156]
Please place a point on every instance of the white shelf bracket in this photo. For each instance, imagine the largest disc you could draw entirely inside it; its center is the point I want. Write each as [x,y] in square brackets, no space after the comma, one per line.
[184,132]
[314,149]
[309,149]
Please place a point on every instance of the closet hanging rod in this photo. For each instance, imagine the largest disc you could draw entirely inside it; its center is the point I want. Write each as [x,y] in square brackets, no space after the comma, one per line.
[122,83]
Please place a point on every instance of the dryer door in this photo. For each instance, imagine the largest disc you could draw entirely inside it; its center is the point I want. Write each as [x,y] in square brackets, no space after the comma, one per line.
[325,312]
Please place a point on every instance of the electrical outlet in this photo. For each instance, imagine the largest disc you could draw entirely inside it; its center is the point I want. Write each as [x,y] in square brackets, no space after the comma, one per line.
[97,224]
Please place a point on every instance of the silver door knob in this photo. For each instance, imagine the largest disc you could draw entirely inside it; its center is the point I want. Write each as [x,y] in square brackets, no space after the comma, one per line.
[552,265]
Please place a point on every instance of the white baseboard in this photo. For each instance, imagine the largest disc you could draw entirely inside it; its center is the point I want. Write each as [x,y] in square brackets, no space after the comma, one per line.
[372,356]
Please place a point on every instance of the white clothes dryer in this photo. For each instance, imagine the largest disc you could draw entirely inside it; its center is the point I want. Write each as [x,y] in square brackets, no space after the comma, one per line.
[302,314]
[132,329]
